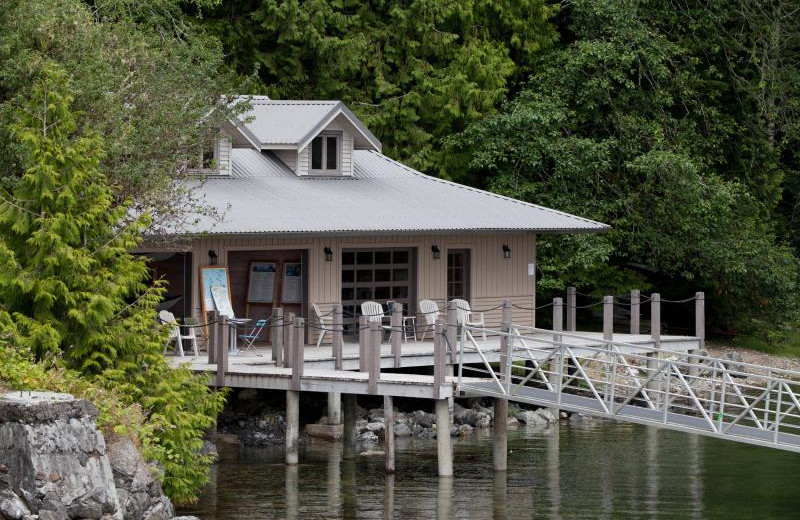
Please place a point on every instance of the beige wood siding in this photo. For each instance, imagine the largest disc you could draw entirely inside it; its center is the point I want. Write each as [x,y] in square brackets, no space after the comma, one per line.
[492,277]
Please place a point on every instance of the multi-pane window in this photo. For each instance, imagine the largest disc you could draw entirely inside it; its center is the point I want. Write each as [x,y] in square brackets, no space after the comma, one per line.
[458,274]
[379,275]
[325,150]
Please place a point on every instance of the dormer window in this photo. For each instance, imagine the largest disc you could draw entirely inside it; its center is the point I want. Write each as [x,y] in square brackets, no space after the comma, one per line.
[325,151]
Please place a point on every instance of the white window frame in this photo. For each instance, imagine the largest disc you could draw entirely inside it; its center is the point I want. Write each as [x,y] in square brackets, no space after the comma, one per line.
[214,169]
[326,171]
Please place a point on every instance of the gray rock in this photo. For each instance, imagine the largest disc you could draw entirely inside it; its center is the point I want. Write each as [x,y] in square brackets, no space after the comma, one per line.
[140,494]
[185,518]
[547,415]
[512,422]
[367,437]
[424,419]
[402,430]
[375,414]
[531,418]
[13,508]
[375,426]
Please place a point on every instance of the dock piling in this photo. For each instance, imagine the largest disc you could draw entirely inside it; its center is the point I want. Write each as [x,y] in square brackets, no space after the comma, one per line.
[699,331]
[397,333]
[338,330]
[288,339]
[636,310]
[349,429]
[388,444]
[444,443]
[292,426]
[334,408]
[439,354]
[655,334]
[298,336]
[374,355]
[363,339]
[277,336]
[451,331]
[211,339]
[222,351]
[571,310]
[500,434]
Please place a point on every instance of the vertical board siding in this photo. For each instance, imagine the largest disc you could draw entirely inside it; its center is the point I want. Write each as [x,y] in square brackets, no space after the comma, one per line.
[288,157]
[493,277]
[302,161]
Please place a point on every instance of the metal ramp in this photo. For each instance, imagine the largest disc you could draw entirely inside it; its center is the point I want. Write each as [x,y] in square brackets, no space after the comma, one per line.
[680,391]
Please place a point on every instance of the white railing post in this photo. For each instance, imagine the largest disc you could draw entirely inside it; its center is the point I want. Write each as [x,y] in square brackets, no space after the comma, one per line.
[451,332]
[363,338]
[288,339]
[699,331]
[439,358]
[222,350]
[374,355]
[608,338]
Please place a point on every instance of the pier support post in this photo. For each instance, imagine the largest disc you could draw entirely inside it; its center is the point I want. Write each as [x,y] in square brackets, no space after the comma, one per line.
[334,408]
[506,344]
[277,336]
[439,353]
[397,333]
[292,426]
[571,310]
[388,437]
[451,332]
[444,443]
[699,331]
[655,334]
[636,310]
[500,434]
[338,330]
[608,319]
[222,351]
[556,372]
[374,356]
[349,429]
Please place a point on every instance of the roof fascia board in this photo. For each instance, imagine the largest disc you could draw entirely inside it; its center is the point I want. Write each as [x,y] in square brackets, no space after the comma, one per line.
[340,109]
[247,134]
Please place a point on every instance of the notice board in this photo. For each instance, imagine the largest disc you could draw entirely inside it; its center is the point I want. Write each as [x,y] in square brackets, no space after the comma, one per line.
[292,290]
[261,281]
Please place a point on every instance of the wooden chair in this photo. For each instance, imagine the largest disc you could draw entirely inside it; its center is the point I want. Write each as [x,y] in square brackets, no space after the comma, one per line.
[430,310]
[325,322]
[175,334]
[464,316]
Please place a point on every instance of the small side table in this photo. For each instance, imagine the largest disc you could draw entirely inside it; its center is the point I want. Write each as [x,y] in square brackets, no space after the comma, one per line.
[412,320]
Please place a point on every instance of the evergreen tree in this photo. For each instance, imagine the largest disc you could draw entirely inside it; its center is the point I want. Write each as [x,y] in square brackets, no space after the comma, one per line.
[72,292]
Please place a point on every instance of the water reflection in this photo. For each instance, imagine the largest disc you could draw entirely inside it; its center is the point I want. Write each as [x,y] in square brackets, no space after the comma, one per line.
[591,469]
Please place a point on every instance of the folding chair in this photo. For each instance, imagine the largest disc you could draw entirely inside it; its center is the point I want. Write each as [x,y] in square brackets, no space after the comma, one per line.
[248,340]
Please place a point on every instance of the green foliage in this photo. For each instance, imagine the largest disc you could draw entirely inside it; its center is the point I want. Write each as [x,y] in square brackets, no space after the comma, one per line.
[414,71]
[72,293]
[620,126]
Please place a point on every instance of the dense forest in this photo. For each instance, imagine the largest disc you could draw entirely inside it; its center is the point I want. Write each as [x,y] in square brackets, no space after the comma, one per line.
[675,121]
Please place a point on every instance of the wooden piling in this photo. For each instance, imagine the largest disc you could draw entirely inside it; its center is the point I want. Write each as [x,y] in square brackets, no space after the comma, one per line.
[374,356]
[397,333]
[636,311]
[288,339]
[506,343]
[655,335]
[334,408]
[608,318]
[349,430]
[338,331]
[451,332]
[298,350]
[222,352]
[500,434]
[363,338]
[292,426]
[699,331]
[439,357]
[444,445]
[571,309]
[388,441]
[556,371]
[211,338]
[277,336]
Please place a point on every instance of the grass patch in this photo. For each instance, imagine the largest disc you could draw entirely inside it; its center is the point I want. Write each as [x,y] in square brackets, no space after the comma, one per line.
[782,343]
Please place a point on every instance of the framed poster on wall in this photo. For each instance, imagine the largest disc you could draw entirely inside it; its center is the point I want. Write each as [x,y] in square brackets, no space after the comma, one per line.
[261,281]
[214,281]
[292,290]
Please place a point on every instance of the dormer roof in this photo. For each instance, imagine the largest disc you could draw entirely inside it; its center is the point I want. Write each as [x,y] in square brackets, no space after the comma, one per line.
[292,124]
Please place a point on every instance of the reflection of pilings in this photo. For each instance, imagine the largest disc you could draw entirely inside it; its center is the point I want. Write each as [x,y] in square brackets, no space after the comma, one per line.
[500,434]
[554,470]
[499,498]
[444,498]
[388,498]
[443,441]
[694,459]
[349,430]
[292,426]
[349,490]
[334,480]
[651,468]
[292,493]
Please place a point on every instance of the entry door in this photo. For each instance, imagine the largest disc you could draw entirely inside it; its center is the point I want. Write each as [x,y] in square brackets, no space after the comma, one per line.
[458,274]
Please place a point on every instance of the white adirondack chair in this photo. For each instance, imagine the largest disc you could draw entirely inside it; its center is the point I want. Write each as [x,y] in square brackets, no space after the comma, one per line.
[430,311]
[373,311]
[175,333]
[325,322]
[465,316]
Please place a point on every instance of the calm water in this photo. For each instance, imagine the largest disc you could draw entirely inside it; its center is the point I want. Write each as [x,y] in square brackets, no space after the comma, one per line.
[585,469]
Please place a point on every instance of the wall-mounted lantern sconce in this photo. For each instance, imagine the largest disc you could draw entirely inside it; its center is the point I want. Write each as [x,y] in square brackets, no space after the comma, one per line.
[506,251]
[435,251]
[328,254]
[212,257]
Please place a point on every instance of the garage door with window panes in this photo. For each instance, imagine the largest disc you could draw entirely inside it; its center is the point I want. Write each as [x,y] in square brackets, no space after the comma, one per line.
[379,275]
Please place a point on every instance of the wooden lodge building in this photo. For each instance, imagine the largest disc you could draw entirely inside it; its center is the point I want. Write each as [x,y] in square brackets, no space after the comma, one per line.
[309,200]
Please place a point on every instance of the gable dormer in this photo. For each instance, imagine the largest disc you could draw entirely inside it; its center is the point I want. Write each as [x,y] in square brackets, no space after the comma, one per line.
[313,138]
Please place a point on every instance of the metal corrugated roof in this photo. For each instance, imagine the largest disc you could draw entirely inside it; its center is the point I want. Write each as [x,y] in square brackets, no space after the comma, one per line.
[262,195]
[294,122]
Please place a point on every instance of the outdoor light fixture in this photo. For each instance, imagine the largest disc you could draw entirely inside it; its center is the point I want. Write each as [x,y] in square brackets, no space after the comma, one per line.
[435,251]
[328,254]
[212,257]
[506,251]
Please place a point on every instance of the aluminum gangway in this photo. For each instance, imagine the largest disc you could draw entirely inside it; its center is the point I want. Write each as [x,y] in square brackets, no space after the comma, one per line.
[687,392]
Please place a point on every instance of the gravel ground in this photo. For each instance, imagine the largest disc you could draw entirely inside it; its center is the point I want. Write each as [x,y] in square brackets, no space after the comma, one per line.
[752,356]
